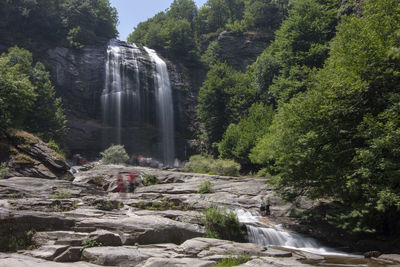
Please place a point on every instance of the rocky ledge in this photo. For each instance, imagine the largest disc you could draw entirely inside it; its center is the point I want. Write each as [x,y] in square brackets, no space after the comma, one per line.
[85,222]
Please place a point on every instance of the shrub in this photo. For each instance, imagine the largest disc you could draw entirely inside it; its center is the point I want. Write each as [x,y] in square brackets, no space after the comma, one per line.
[54,146]
[89,243]
[206,164]
[225,167]
[149,179]
[198,164]
[61,194]
[3,170]
[205,188]
[115,154]
[109,205]
[221,224]
[234,260]
[237,28]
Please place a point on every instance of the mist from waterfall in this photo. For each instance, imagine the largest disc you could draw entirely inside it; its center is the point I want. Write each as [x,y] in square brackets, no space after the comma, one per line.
[164,107]
[137,107]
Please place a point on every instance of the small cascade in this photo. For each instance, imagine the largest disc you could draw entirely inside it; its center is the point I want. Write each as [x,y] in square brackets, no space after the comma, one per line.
[164,108]
[267,235]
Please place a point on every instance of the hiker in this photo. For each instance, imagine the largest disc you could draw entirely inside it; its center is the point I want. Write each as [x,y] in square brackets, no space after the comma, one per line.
[120,183]
[267,204]
[131,182]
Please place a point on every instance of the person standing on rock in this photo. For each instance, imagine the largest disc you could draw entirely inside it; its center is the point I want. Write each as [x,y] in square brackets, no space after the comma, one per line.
[264,206]
[131,182]
[120,183]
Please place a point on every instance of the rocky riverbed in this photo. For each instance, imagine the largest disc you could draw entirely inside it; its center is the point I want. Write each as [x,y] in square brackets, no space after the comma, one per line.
[85,222]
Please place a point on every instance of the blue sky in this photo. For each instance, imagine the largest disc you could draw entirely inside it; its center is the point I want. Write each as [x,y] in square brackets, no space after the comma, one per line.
[132,12]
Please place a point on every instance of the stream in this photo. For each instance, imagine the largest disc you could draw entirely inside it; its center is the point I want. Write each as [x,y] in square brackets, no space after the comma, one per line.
[274,235]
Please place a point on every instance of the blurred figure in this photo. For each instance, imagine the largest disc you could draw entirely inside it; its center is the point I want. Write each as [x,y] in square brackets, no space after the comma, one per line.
[132,182]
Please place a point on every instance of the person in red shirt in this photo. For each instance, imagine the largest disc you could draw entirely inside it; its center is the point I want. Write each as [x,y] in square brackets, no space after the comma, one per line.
[120,183]
[131,182]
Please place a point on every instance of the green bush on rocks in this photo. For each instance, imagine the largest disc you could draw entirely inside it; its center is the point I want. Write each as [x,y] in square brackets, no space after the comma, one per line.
[221,224]
[115,154]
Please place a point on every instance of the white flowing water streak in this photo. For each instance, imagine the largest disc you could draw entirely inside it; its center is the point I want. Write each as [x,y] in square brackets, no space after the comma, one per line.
[266,235]
[121,97]
[165,112]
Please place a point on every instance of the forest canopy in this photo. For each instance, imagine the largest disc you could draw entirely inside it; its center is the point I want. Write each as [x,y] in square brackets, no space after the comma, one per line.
[39,24]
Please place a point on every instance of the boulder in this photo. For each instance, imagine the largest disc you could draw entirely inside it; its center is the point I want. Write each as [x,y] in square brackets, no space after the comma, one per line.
[123,256]
[106,238]
[31,157]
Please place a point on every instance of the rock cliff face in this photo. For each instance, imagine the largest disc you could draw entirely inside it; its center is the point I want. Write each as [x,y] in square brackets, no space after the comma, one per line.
[241,51]
[79,78]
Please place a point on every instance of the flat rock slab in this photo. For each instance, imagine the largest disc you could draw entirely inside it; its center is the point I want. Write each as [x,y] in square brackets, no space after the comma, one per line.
[145,229]
[18,260]
[395,258]
[156,262]
[36,187]
[126,255]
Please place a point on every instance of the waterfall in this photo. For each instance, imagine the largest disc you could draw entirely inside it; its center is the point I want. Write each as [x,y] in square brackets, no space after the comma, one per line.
[137,109]
[266,235]
[165,113]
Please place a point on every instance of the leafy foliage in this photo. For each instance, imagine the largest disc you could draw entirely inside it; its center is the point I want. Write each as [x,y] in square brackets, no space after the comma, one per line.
[27,97]
[240,138]
[38,25]
[225,167]
[149,179]
[198,164]
[206,164]
[61,194]
[221,224]
[115,154]
[3,170]
[301,43]
[90,243]
[234,260]
[224,96]
[205,187]
[340,138]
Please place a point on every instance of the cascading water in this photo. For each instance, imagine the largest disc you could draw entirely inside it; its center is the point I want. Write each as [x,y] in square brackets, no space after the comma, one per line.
[133,112]
[165,113]
[266,235]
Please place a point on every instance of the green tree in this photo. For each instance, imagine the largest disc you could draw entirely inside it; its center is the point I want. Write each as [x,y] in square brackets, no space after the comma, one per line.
[183,9]
[300,44]
[262,14]
[340,138]
[223,98]
[28,98]
[17,94]
[240,138]
[38,25]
